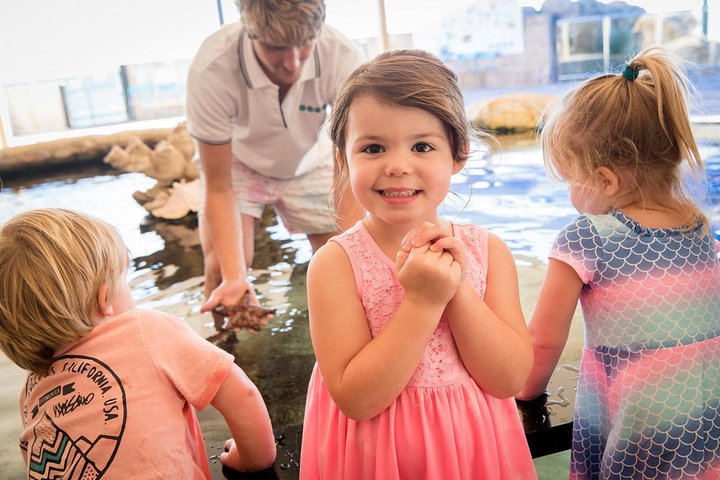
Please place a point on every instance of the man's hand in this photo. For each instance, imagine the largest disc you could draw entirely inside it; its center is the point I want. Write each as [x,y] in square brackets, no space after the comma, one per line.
[229,293]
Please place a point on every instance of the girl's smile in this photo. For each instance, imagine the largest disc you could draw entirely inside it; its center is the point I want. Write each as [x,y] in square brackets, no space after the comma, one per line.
[399,160]
[398,192]
[399,195]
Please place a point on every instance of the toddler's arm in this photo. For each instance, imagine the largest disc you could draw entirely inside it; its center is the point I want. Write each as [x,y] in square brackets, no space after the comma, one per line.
[252,447]
[550,324]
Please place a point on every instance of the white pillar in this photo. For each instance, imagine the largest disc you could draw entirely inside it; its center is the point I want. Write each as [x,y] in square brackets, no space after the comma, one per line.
[3,113]
[385,39]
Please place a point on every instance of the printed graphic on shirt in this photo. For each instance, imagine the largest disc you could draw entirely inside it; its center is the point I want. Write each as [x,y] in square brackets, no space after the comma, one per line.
[78,417]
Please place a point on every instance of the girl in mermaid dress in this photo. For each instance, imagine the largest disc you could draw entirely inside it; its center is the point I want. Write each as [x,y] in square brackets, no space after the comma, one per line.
[415,320]
[642,260]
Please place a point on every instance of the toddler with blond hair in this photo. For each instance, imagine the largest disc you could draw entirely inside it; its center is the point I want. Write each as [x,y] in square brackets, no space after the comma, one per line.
[112,389]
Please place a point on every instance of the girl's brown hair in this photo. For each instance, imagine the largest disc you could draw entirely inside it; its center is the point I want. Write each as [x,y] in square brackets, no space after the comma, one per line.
[634,123]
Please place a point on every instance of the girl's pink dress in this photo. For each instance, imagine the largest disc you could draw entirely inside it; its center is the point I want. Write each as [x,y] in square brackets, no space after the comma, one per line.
[442,426]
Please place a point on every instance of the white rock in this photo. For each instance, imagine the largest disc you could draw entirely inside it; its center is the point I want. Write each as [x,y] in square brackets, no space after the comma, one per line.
[183,198]
[117,157]
[168,163]
[177,191]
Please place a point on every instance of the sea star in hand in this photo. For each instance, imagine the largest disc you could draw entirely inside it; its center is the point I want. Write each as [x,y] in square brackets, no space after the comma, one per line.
[244,315]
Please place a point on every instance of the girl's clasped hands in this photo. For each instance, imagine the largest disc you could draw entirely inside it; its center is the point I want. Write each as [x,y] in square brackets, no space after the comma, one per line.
[430,264]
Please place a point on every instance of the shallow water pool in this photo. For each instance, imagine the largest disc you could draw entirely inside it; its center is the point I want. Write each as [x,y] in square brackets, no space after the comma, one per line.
[508,192]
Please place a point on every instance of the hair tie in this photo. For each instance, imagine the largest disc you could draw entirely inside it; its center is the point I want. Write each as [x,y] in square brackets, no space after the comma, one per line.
[629,73]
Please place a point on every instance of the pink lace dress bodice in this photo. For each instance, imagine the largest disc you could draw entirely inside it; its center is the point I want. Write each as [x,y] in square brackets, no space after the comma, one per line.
[381,294]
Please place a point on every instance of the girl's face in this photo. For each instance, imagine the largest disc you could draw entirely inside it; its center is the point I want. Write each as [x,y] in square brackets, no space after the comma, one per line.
[587,199]
[399,161]
[587,194]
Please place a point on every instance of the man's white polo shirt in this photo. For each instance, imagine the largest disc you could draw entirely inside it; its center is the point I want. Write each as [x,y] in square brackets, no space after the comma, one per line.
[230,99]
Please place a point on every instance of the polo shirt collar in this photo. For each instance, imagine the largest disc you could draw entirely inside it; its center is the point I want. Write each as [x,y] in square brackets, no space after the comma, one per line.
[255,76]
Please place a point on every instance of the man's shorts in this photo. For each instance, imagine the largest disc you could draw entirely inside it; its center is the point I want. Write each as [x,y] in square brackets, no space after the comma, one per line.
[302,203]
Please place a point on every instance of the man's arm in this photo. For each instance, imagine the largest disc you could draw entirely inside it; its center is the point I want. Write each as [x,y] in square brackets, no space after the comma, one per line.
[223,225]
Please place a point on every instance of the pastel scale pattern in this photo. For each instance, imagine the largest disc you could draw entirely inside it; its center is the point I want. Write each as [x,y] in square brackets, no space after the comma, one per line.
[648,399]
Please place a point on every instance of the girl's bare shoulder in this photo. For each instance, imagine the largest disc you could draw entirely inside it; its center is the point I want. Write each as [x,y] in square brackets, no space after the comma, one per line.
[329,260]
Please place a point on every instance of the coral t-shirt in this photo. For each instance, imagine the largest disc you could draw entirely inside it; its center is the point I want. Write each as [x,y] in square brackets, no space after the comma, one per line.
[120,403]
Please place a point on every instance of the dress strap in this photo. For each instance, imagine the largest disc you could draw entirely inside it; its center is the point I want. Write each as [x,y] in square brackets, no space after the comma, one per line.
[349,242]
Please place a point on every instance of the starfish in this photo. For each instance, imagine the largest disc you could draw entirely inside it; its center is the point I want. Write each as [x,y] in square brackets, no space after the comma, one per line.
[244,315]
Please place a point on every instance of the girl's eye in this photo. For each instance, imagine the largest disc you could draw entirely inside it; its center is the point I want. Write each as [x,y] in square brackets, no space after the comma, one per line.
[422,147]
[373,149]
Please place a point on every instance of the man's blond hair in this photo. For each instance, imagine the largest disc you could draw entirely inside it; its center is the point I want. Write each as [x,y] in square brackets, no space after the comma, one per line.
[52,265]
[282,23]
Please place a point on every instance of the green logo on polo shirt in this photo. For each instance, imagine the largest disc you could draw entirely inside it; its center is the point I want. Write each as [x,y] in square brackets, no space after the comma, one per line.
[311,109]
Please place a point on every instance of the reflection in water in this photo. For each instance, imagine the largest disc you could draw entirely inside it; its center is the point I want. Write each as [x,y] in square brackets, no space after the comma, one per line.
[180,239]
[562,399]
[506,191]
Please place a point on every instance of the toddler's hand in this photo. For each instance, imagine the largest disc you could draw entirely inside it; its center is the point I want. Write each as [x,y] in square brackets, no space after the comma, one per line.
[229,457]
[440,238]
[427,275]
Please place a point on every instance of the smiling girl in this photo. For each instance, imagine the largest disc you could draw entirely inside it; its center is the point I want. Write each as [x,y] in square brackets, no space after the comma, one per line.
[415,320]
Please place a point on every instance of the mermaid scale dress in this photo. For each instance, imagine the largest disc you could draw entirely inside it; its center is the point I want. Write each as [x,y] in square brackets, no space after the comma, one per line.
[648,398]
